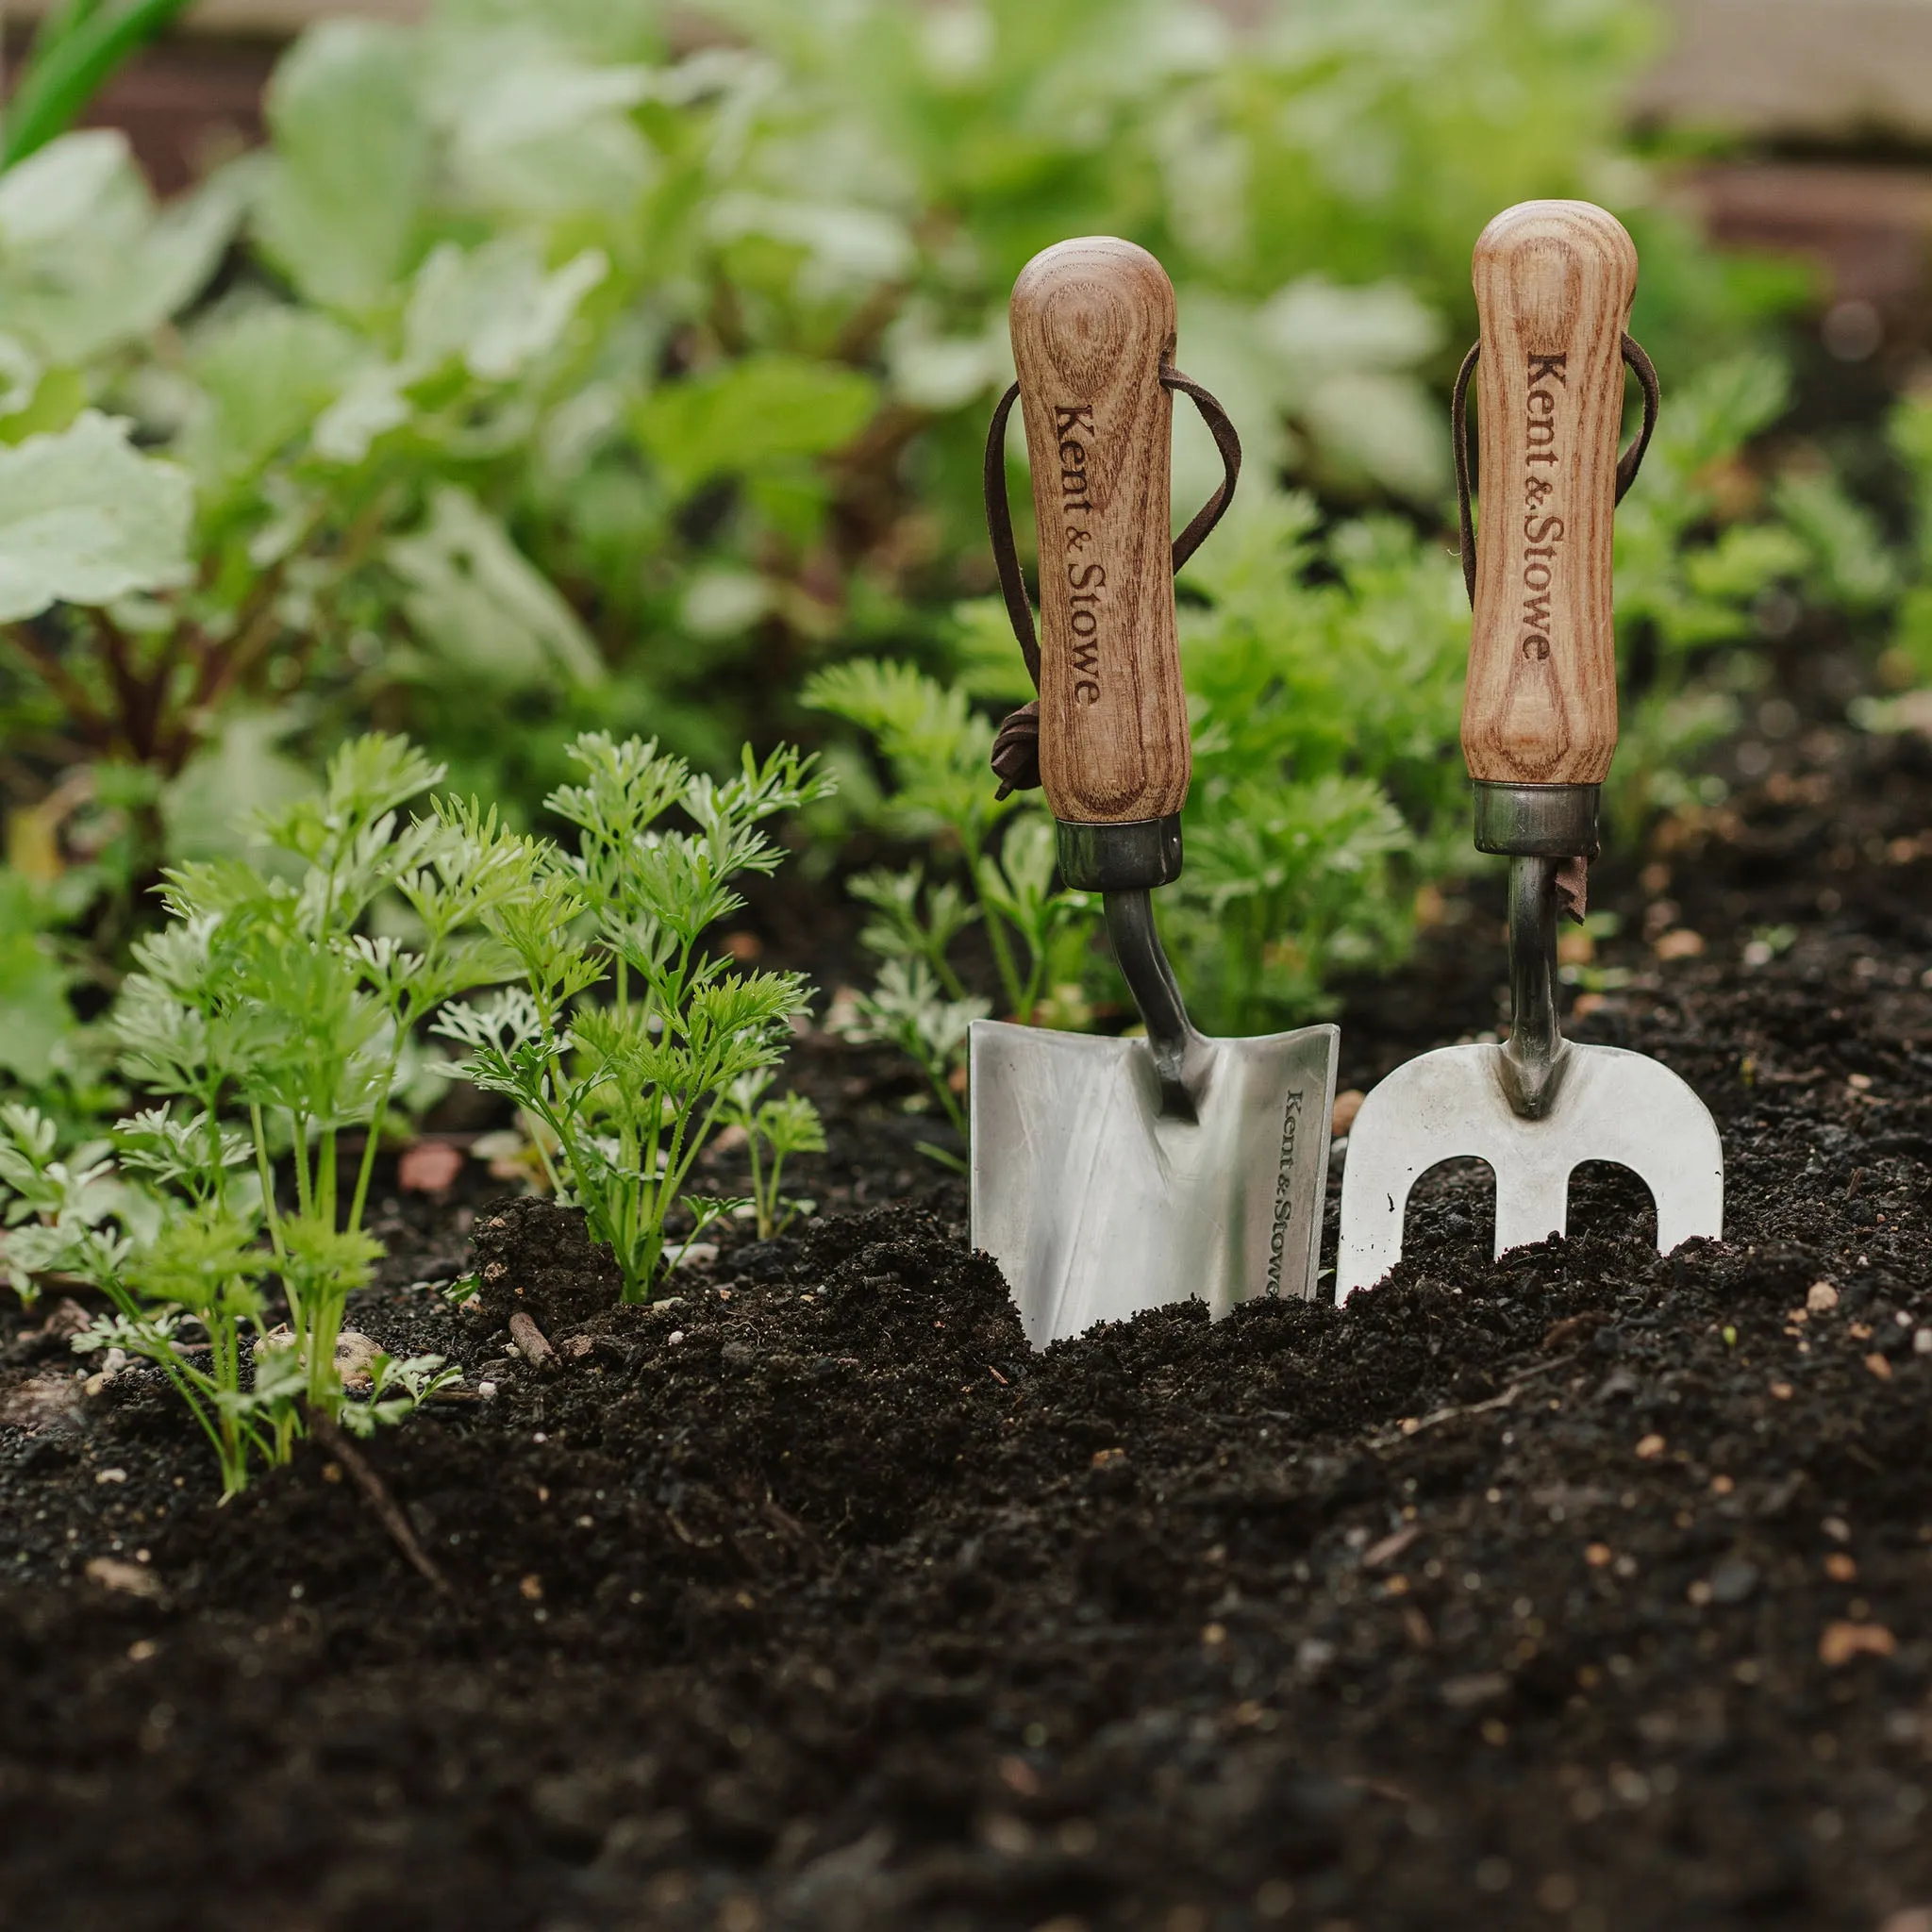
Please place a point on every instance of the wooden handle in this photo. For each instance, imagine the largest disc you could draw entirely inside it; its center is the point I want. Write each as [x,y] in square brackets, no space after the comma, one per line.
[1553,286]
[1093,324]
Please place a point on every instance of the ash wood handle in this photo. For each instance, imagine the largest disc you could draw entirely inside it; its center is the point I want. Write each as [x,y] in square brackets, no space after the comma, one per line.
[1093,324]
[1553,286]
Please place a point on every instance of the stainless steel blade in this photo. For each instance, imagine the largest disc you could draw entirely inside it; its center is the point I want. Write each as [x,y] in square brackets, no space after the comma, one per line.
[1097,1206]
[1452,1104]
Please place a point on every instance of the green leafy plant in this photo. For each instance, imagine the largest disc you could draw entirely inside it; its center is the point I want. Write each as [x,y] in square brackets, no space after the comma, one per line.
[1906,665]
[774,1130]
[908,1009]
[55,1205]
[631,1089]
[939,792]
[270,1018]
[559,363]
[1696,577]
[564,364]
[268,992]
[935,749]
[36,1020]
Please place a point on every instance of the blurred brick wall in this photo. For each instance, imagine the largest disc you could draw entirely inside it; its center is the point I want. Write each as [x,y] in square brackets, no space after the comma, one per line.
[197,94]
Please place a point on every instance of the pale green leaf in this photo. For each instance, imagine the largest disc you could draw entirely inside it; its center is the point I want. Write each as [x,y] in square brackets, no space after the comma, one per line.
[209,808]
[87,261]
[337,207]
[1315,326]
[473,596]
[763,408]
[34,1013]
[265,373]
[371,404]
[848,248]
[530,127]
[1385,425]
[495,309]
[86,518]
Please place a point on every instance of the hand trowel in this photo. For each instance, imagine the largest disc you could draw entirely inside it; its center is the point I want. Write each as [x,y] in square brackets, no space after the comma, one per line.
[1554,281]
[1112,1175]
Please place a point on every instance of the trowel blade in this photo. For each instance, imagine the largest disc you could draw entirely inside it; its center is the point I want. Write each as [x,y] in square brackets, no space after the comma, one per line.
[1096,1206]
[1450,1105]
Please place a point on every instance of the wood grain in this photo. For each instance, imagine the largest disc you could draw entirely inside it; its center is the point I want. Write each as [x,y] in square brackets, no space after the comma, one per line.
[1553,286]
[1092,323]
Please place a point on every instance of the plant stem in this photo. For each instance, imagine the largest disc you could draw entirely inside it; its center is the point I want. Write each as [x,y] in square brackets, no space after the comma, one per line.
[995,933]
[270,1213]
[368,1163]
[757,1192]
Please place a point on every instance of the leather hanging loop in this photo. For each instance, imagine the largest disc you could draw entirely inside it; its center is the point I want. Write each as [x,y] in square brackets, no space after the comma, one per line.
[1628,463]
[1201,524]
[999,528]
[1016,744]
[1631,461]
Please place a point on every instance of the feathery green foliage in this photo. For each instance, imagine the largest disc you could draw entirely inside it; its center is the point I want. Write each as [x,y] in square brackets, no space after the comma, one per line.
[629,1092]
[269,1019]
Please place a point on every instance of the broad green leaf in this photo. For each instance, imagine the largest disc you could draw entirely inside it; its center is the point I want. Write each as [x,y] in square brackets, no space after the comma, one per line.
[34,1013]
[731,421]
[848,248]
[371,404]
[56,400]
[209,808]
[265,373]
[473,596]
[21,370]
[596,30]
[87,261]
[86,518]
[338,208]
[533,128]
[1384,424]
[495,309]
[1315,326]
[930,370]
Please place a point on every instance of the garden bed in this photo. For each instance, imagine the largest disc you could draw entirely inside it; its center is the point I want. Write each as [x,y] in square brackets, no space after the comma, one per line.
[1588,1588]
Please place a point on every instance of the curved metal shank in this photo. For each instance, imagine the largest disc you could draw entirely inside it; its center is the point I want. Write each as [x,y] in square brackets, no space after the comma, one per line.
[1181,1056]
[1533,1058]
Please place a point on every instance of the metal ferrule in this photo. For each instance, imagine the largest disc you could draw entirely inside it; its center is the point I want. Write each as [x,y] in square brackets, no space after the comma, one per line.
[1538,821]
[1133,858]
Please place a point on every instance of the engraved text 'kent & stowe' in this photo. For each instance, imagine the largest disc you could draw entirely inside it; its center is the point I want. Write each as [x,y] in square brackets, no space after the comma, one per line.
[1541,529]
[1085,580]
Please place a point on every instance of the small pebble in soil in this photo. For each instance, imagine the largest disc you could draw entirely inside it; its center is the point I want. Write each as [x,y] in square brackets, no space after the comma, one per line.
[1844,1641]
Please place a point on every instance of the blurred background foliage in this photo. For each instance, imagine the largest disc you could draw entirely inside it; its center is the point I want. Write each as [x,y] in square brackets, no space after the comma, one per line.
[556,366]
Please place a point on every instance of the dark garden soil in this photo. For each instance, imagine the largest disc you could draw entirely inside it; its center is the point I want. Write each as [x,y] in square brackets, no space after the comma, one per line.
[1587,1589]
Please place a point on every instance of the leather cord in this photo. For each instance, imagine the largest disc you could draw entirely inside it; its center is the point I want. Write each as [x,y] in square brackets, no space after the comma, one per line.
[1628,464]
[1016,744]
